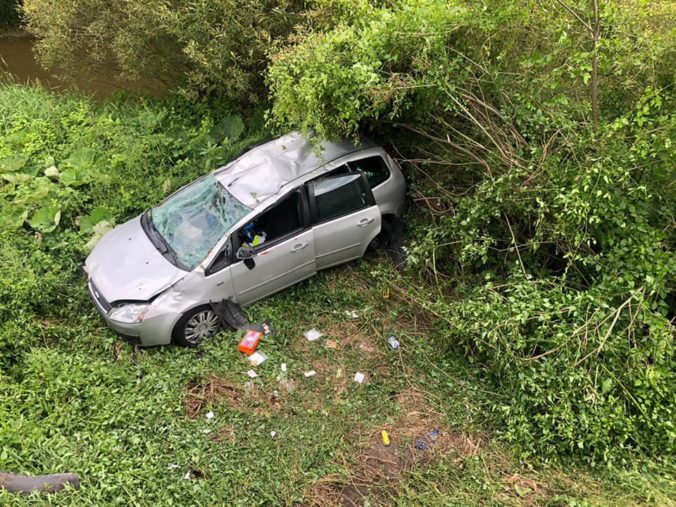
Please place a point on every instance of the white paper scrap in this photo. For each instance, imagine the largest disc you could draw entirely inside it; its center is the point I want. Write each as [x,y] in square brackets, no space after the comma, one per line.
[210,415]
[252,374]
[257,358]
[359,377]
[273,434]
[310,373]
[283,367]
[313,334]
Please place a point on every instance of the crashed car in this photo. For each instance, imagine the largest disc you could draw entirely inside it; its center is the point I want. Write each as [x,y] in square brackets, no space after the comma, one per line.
[265,221]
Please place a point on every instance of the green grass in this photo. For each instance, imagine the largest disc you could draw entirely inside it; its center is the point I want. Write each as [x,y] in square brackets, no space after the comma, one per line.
[120,422]
[74,399]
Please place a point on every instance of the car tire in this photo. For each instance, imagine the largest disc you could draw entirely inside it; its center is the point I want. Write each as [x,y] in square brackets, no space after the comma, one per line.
[382,241]
[195,326]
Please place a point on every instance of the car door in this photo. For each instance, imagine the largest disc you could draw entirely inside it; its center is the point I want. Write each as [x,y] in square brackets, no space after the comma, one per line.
[286,255]
[217,281]
[345,218]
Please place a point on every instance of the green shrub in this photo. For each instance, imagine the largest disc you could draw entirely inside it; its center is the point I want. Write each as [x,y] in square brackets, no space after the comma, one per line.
[544,238]
[216,48]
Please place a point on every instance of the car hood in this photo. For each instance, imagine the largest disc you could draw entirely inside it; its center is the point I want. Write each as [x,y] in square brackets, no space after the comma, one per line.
[125,265]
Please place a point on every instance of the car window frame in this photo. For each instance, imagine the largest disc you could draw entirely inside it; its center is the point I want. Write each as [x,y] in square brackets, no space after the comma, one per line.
[373,155]
[304,219]
[370,199]
[210,270]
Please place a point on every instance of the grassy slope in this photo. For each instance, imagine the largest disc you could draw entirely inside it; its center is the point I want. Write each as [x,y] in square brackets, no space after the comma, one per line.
[73,399]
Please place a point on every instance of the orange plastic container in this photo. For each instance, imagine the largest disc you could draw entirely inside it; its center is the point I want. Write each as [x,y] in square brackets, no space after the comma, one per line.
[250,341]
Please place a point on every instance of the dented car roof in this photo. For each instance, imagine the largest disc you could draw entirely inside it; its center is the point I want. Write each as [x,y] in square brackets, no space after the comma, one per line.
[263,171]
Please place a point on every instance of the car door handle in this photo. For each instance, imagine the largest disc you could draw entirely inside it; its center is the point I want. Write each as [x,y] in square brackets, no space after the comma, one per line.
[298,247]
[364,222]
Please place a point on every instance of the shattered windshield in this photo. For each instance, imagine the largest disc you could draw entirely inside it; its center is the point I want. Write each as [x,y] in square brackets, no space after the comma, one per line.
[195,218]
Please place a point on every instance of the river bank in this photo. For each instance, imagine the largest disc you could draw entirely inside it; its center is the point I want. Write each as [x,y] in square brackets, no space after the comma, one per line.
[19,64]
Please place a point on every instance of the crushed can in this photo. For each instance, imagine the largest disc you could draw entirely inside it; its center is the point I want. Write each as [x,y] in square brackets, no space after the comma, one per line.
[393,342]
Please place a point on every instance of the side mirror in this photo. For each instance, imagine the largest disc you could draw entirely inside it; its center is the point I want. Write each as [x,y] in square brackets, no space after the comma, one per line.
[247,254]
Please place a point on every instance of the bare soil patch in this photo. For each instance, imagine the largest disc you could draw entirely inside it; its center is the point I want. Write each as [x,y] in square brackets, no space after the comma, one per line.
[210,391]
[417,437]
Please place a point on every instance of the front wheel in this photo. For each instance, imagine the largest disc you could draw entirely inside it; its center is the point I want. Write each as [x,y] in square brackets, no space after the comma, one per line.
[195,326]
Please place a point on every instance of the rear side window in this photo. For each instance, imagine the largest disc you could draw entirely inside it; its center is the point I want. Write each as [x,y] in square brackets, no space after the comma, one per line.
[374,168]
[341,195]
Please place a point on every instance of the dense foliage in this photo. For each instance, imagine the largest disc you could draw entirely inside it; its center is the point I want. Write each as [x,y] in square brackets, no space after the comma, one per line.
[551,234]
[210,47]
[9,13]
[538,137]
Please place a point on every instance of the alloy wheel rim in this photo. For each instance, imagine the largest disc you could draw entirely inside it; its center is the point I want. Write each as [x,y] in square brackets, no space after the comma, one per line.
[201,326]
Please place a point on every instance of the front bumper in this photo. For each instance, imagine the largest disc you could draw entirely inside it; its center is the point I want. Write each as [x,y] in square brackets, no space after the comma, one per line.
[151,331]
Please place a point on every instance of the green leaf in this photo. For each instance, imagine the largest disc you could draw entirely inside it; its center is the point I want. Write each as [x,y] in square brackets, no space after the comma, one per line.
[46,219]
[12,218]
[82,159]
[13,163]
[16,177]
[97,215]
[74,178]
[100,229]
[230,127]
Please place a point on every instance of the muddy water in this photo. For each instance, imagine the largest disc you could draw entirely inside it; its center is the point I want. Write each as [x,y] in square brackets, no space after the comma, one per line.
[18,64]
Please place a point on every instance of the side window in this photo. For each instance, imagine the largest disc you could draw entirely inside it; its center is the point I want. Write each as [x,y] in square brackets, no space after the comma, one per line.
[222,260]
[338,171]
[282,219]
[374,168]
[341,195]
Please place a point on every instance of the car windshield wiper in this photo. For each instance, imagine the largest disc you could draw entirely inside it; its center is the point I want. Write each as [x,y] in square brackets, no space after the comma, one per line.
[158,240]
[153,234]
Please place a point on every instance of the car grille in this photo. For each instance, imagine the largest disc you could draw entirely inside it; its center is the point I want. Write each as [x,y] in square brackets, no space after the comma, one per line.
[98,297]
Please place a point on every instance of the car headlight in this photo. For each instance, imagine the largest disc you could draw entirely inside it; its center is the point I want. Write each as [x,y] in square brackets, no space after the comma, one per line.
[129,314]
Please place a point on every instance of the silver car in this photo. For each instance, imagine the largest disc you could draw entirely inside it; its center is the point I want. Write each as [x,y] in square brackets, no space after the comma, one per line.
[265,221]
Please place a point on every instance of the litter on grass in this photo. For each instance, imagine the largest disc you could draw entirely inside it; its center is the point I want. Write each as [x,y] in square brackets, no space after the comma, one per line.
[359,377]
[310,373]
[273,434]
[283,367]
[257,358]
[386,438]
[426,441]
[288,385]
[393,342]
[250,341]
[173,466]
[313,334]
[252,374]
[210,415]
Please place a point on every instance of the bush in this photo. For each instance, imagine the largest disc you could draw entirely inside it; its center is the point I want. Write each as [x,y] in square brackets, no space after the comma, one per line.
[547,234]
[215,48]
[9,13]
